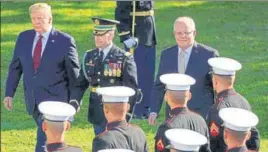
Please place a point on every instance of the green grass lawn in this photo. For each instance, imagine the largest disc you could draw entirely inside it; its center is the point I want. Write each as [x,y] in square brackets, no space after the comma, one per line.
[237,29]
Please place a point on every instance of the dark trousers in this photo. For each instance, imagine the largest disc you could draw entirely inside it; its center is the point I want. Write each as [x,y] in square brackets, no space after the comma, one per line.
[145,60]
[41,137]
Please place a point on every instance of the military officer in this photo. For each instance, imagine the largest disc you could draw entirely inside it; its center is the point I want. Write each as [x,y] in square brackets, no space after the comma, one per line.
[137,21]
[224,70]
[119,133]
[56,122]
[177,96]
[185,140]
[106,65]
[237,125]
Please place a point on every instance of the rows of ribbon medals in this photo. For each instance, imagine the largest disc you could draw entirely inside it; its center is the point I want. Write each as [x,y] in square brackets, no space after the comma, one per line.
[112,69]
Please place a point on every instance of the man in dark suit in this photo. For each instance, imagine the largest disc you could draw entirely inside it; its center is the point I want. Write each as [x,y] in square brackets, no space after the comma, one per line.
[224,70]
[55,124]
[187,57]
[144,54]
[106,65]
[48,60]
[118,133]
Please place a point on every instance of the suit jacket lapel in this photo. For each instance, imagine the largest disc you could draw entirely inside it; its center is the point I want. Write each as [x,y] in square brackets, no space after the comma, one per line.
[175,57]
[192,60]
[29,48]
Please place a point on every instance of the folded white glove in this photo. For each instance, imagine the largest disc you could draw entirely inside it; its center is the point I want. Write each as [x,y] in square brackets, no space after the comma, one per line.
[131,42]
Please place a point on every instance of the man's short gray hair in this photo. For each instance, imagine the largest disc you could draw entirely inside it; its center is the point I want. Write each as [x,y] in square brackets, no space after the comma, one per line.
[40,6]
[187,20]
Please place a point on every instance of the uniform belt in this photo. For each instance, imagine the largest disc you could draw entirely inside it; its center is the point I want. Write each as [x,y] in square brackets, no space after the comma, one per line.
[94,89]
[143,13]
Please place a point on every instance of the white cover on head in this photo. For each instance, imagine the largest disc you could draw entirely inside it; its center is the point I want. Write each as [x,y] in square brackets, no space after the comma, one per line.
[238,119]
[177,81]
[115,93]
[224,66]
[185,139]
[56,111]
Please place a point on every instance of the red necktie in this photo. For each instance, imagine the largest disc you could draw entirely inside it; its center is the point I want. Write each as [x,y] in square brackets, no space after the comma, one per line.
[37,53]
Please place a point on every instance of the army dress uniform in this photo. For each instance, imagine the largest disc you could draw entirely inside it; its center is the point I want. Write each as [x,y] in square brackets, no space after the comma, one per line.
[238,120]
[121,135]
[225,99]
[145,51]
[62,147]
[110,66]
[185,119]
[117,69]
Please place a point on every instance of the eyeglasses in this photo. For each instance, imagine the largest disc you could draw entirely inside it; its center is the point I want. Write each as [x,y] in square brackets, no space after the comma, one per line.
[183,33]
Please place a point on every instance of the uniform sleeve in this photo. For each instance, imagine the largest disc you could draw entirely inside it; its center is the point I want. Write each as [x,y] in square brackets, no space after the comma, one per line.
[206,147]
[215,130]
[15,71]
[122,14]
[99,144]
[78,90]
[254,142]
[130,77]
[158,90]
[160,139]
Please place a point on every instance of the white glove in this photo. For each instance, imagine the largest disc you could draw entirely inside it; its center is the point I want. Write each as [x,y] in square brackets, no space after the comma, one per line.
[131,42]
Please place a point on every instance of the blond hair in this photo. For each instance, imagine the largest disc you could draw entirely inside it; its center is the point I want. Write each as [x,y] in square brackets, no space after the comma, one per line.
[187,20]
[40,6]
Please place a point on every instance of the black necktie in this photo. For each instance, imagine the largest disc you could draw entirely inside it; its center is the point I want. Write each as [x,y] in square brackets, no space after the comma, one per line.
[100,56]
[99,60]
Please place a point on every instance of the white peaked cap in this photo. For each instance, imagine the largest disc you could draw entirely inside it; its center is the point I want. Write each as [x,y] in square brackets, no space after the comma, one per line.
[177,82]
[56,110]
[115,150]
[224,66]
[185,139]
[115,93]
[238,119]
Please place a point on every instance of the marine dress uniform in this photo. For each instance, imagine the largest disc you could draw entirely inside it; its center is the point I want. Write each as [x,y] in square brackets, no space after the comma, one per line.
[60,112]
[185,140]
[180,117]
[238,120]
[119,133]
[227,98]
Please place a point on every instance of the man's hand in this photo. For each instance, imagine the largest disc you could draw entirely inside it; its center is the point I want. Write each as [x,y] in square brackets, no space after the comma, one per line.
[152,118]
[8,103]
[131,42]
